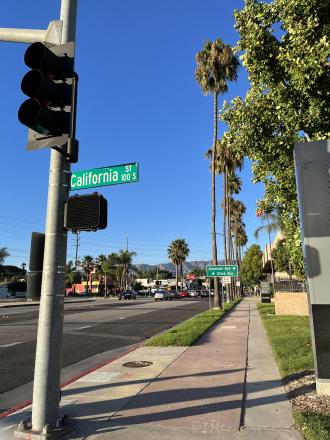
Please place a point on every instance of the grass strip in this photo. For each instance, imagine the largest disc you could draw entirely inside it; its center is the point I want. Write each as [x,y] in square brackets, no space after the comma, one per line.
[186,333]
[290,339]
[313,426]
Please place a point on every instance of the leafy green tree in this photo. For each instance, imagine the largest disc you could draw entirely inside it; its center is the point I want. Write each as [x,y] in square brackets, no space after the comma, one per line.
[281,257]
[137,286]
[72,276]
[3,254]
[285,49]
[198,272]
[216,65]
[251,267]
[164,274]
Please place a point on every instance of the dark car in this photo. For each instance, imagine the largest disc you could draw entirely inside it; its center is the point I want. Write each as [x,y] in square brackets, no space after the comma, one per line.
[174,294]
[204,293]
[127,294]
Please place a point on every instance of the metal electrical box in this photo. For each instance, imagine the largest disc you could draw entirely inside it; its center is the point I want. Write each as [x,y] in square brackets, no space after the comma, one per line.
[312,163]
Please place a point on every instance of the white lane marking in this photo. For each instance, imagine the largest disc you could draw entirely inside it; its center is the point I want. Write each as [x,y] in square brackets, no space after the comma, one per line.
[10,345]
[85,326]
[228,326]
[123,317]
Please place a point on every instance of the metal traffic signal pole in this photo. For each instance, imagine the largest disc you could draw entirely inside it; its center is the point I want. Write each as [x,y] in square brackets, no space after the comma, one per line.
[46,390]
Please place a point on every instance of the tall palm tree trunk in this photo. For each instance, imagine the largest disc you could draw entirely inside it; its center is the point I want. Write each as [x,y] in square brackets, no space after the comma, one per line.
[225,209]
[181,275]
[91,281]
[230,289]
[217,300]
[176,276]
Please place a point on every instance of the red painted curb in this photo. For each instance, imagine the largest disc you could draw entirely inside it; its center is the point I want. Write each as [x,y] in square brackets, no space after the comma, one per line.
[15,408]
[64,384]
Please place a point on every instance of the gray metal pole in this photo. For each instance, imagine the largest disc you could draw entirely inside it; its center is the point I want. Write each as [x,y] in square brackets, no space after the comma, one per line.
[22,35]
[46,391]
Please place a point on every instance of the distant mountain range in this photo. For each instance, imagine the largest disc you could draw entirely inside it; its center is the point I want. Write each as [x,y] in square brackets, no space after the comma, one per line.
[188,266]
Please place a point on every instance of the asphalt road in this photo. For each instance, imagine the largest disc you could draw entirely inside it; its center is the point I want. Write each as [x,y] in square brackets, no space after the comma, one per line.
[103,326]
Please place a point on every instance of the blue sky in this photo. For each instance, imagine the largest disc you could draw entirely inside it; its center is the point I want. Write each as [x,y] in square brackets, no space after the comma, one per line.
[138,101]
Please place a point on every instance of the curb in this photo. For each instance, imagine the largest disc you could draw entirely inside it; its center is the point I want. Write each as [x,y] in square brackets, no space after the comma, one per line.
[26,403]
[31,304]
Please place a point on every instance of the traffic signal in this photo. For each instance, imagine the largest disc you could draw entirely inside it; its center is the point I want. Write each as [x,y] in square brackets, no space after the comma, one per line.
[87,212]
[51,88]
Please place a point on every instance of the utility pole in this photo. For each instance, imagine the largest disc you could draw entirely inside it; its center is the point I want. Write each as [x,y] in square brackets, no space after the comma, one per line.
[77,247]
[46,390]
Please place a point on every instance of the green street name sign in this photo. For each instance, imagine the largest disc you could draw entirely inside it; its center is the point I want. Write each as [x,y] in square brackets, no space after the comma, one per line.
[222,271]
[112,175]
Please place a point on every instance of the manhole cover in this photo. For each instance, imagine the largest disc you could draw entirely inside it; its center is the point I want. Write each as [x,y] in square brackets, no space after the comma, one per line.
[138,364]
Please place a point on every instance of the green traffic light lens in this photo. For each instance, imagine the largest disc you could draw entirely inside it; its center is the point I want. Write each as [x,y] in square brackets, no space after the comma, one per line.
[43,120]
[29,113]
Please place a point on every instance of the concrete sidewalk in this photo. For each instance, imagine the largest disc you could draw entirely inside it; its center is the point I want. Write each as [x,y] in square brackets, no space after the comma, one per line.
[226,386]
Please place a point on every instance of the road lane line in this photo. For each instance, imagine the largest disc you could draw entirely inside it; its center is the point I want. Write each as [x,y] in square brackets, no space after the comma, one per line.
[85,326]
[10,345]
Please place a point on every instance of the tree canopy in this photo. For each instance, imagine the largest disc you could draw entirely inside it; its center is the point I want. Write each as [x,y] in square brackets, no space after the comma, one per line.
[284,46]
[251,267]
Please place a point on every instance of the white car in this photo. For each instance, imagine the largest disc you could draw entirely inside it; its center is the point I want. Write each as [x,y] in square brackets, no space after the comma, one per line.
[162,294]
[193,293]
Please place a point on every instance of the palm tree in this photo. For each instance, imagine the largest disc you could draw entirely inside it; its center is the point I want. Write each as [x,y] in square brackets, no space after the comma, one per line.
[183,251]
[234,185]
[241,239]
[174,255]
[271,223]
[87,266]
[98,266]
[125,258]
[216,64]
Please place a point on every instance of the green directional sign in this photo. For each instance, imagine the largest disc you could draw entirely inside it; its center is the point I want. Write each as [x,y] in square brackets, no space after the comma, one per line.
[111,175]
[222,271]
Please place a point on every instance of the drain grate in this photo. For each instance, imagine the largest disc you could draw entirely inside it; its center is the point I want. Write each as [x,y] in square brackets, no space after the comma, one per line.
[137,364]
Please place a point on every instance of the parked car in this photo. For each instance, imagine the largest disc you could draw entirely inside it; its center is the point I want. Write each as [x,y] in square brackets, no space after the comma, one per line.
[127,294]
[184,293]
[204,293]
[174,294]
[193,293]
[162,294]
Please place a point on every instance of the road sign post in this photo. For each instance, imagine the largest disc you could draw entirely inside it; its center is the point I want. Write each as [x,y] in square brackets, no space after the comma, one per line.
[46,389]
[222,271]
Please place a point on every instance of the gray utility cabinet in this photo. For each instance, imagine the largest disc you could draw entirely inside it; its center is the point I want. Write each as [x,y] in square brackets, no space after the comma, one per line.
[312,165]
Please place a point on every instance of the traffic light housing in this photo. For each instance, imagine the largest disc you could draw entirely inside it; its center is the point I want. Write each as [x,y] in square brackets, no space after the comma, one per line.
[51,88]
[87,212]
